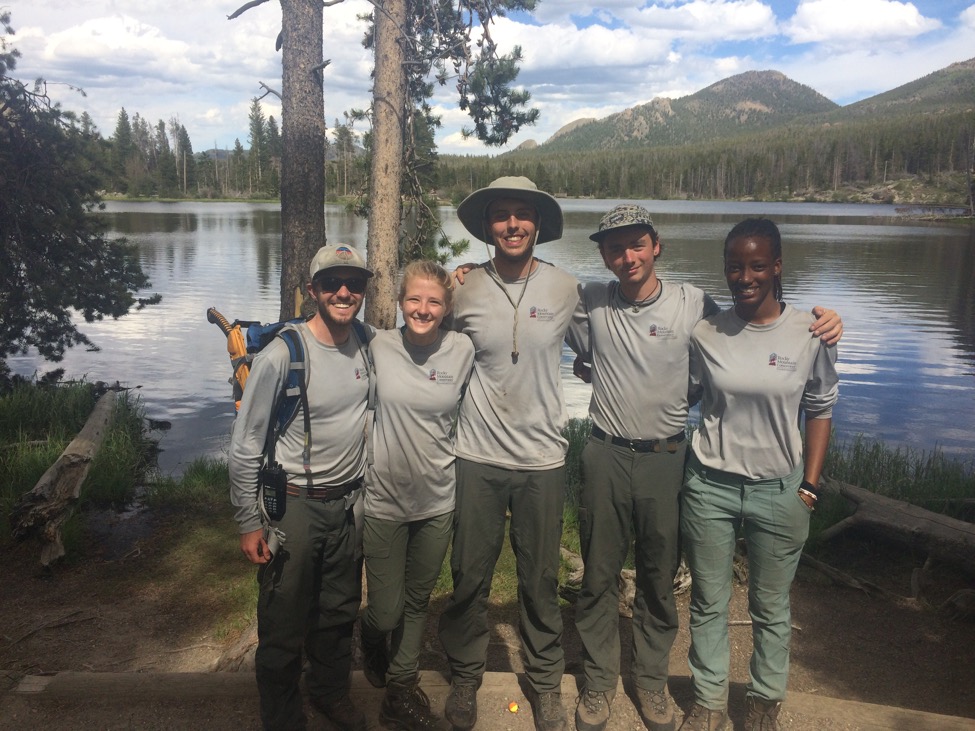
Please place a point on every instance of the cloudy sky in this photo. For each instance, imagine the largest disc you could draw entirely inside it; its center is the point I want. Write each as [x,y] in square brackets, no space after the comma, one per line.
[583,58]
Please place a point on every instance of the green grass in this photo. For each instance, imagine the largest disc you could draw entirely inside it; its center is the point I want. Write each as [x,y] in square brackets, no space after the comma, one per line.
[927,479]
[38,421]
[204,485]
[30,412]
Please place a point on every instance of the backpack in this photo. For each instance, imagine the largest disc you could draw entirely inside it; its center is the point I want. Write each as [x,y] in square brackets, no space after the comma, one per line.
[293,393]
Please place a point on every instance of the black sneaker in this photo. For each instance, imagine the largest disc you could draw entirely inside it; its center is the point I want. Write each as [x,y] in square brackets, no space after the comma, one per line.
[548,711]
[460,710]
[407,708]
[375,661]
[592,711]
[342,712]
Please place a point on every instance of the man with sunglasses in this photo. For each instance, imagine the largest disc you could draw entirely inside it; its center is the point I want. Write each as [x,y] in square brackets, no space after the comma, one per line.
[310,585]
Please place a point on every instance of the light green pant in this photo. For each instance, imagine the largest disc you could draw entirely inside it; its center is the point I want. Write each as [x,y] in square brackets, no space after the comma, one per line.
[774,521]
[403,562]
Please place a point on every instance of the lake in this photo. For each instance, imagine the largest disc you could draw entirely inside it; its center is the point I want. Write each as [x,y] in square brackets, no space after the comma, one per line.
[905,289]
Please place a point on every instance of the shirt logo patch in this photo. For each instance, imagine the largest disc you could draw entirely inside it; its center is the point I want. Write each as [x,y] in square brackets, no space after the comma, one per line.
[782,362]
[661,331]
[441,378]
[541,314]
[359,374]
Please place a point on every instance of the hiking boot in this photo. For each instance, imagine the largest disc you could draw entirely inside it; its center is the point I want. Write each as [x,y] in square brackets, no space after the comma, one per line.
[460,710]
[407,708]
[655,709]
[548,711]
[762,715]
[342,713]
[375,661]
[593,709]
[704,719]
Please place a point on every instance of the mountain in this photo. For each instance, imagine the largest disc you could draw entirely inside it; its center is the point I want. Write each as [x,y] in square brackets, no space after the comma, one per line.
[949,89]
[754,100]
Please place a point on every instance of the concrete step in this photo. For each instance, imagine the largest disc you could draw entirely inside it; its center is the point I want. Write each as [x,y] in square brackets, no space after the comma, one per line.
[219,701]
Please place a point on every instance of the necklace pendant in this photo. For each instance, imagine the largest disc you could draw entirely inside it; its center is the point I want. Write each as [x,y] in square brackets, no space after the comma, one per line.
[635,308]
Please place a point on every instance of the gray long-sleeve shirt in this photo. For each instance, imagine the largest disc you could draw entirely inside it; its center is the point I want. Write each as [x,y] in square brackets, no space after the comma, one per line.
[514,411]
[639,358]
[338,387]
[418,389]
[753,380]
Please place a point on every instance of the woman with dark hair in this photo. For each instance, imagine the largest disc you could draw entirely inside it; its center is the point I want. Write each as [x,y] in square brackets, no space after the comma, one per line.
[754,369]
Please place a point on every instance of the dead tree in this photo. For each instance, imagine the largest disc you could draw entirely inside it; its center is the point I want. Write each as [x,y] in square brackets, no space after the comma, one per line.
[43,510]
[935,536]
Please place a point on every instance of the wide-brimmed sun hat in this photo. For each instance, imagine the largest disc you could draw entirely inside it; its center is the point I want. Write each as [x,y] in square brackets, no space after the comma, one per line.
[626,214]
[472,209]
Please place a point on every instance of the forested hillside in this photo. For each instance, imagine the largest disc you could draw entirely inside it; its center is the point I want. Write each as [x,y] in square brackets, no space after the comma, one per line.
[762,136]
[744,103]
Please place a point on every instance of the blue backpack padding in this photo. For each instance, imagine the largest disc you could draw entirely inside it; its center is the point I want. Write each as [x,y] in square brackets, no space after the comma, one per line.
[258,337]
[293,393]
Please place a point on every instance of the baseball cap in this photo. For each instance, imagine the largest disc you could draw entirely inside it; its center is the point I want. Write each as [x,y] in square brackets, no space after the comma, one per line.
[333,256]
[626,214]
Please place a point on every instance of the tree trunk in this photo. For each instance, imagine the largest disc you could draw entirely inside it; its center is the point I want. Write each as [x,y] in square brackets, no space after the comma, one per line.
[303,148]
[43,510]
[389,103]
[936,536]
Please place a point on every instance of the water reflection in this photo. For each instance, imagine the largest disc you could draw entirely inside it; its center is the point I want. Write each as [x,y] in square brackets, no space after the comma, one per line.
[905,290]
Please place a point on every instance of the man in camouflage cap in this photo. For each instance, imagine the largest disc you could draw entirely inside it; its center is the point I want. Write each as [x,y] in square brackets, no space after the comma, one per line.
[635,336]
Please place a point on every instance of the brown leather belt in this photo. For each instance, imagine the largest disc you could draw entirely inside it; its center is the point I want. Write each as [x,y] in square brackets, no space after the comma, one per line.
[641,445]
[333,492]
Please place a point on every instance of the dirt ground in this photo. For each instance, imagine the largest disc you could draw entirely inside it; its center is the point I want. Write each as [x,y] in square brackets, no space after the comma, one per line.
[94,615]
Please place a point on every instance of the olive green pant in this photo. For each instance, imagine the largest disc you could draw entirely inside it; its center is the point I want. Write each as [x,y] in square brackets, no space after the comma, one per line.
[629,497]
[403,562]
[485,495]
[308,602]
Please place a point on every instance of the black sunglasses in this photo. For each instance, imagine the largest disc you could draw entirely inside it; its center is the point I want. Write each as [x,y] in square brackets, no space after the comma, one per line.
[355,285]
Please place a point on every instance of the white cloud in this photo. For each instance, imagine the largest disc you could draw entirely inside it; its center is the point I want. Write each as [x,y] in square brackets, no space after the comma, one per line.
[705,21]
[842,21]
[183,57]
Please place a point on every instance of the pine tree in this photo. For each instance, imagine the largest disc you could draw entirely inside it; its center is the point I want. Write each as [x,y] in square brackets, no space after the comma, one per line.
[56,263]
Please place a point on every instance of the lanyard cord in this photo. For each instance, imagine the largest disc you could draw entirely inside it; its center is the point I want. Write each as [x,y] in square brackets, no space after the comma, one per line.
[493,273]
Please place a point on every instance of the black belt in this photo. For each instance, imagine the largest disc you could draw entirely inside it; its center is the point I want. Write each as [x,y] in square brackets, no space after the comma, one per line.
[324,493]
[641,445]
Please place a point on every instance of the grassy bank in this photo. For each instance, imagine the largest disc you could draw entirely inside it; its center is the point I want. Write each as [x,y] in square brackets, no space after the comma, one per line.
[37,422]
[194,536]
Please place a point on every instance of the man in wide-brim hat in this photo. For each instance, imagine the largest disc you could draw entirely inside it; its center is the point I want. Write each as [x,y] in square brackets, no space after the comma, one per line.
[509,446]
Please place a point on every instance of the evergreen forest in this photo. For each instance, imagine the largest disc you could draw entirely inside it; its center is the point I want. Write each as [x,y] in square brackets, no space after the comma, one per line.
[914,144]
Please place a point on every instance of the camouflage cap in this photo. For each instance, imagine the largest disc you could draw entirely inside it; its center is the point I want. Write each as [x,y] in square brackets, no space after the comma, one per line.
[626,214]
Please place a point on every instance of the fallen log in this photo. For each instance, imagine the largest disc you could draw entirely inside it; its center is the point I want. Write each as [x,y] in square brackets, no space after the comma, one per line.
[44,509]
[933,535]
